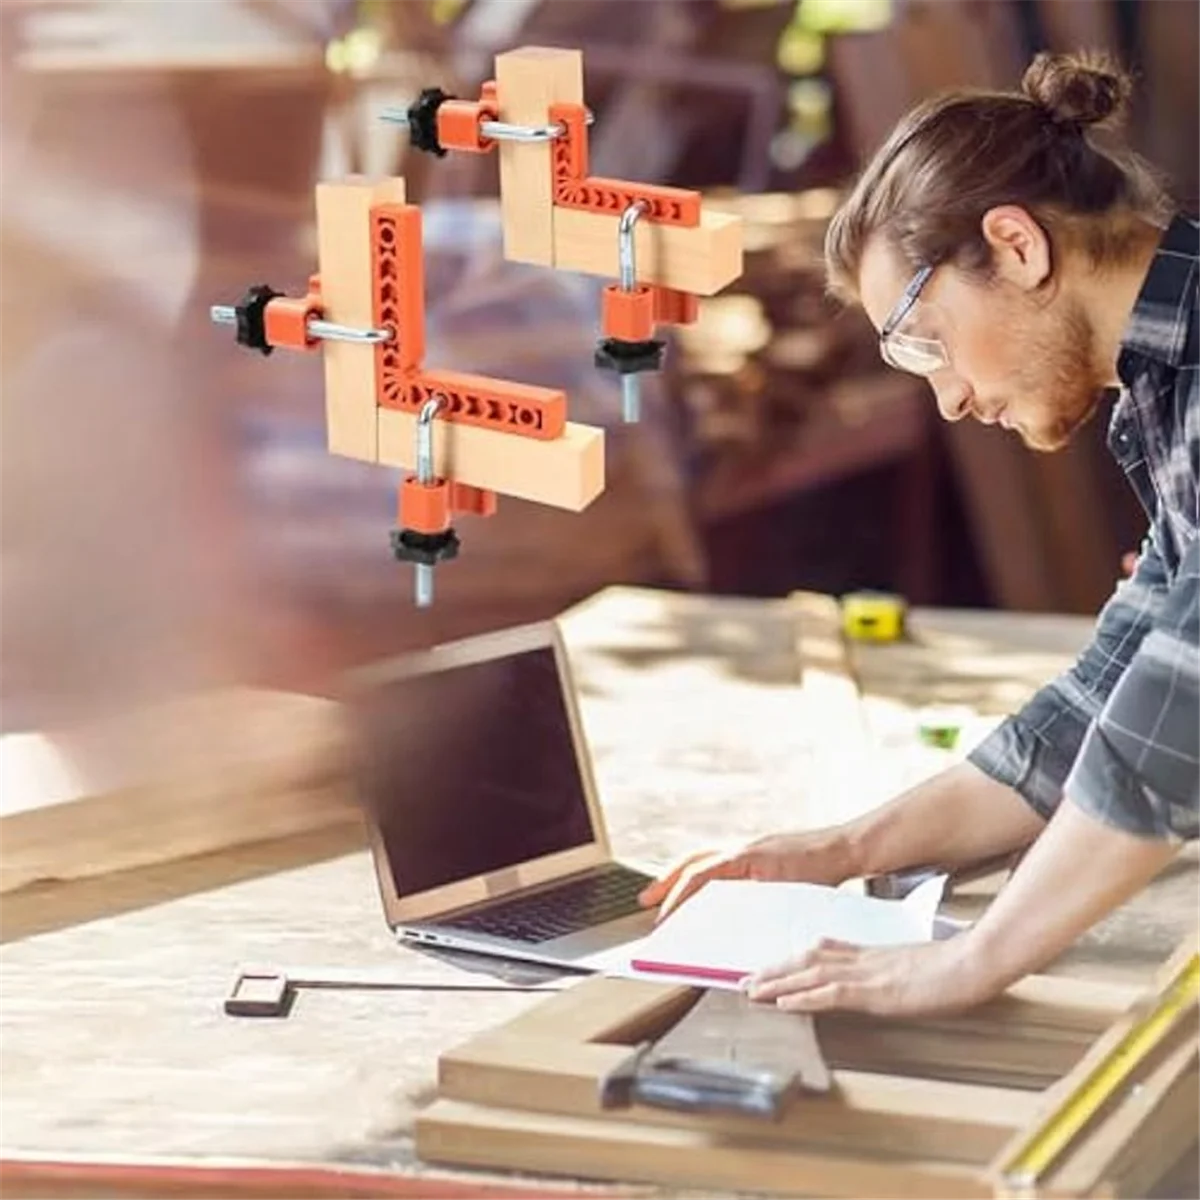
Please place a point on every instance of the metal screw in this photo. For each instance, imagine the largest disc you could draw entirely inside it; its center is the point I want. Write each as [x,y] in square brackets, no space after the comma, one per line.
[631,400]
[499,131]
[329,331]
[424,574]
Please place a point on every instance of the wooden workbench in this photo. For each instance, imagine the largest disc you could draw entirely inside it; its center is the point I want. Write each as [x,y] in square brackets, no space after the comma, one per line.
[115,1045]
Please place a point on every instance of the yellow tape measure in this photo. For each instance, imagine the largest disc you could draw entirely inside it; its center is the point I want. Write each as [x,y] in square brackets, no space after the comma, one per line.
[873,616]
[1031,1160]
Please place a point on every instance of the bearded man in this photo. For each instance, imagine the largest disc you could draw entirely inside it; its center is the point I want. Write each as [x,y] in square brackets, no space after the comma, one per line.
[1026,271]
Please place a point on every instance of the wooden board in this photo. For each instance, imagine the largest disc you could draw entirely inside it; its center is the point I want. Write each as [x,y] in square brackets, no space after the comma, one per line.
[527,1096]
[347,297]
[566,472]
[847,765]
[528,81]
[701,259]
[194,775]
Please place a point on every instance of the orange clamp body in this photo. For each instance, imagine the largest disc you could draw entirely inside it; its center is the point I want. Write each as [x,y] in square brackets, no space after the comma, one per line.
[399,300]
[285,321]
[458,124]
[570,160]
[401,382]
[474,501]
[522,408]
[425,507]
[628,316]
[575,188]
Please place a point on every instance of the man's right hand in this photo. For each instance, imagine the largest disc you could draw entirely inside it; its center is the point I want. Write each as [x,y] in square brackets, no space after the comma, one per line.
[955,819]
[822,856]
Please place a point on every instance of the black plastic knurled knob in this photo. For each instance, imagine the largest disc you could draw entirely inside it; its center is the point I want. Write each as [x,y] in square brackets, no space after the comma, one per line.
[428,549]
[422,121]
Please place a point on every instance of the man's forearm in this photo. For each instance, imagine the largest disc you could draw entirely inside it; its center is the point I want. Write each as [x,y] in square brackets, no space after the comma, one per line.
[1078,871]
[958,817]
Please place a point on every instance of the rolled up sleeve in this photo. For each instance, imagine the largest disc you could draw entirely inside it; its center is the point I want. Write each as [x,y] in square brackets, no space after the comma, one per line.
[1035,750]
[1139,766]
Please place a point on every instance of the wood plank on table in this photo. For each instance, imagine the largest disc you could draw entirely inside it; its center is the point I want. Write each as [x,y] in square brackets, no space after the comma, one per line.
[192,775]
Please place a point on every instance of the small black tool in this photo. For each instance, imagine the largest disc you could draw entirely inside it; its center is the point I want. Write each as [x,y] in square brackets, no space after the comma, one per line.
[727,1054]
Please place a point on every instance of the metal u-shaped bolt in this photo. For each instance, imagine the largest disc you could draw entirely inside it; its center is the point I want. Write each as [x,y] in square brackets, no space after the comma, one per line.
[631,398]
[423,584]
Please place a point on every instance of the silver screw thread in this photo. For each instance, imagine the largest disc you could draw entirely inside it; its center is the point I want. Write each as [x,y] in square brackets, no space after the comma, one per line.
[626,249]
[423,580]
[631,394]
[631,399]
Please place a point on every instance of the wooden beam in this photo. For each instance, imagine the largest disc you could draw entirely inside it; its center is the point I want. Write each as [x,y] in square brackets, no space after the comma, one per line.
[701,259]
[528,81]
[344,263]
[567,472]
[470,1135]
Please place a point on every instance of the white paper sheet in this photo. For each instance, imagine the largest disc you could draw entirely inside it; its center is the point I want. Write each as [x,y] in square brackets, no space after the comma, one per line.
[738,927]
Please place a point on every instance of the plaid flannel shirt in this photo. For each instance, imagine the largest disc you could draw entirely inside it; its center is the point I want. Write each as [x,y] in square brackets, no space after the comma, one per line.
[1119,732]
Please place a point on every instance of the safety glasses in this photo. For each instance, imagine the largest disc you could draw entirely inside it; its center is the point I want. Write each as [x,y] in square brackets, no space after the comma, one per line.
[908,351]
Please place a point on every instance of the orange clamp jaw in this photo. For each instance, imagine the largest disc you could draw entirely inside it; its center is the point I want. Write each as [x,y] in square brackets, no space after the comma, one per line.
[633,316]
[425,537]
[458,121]
[285,321]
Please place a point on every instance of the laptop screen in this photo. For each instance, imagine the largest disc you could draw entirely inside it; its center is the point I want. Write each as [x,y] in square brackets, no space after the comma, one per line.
[472,769]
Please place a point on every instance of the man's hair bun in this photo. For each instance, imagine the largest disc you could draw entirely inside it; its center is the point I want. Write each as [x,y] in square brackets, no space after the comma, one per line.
[1088,88]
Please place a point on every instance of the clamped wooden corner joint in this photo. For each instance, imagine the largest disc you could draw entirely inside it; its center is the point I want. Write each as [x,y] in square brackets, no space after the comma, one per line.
[266,319]
[438,122]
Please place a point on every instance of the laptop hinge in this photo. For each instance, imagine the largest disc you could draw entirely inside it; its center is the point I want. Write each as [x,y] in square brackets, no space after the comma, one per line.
[499,882]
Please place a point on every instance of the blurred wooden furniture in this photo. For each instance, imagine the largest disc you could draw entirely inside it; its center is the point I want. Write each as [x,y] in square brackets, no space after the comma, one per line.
[115,1050]
[779,394]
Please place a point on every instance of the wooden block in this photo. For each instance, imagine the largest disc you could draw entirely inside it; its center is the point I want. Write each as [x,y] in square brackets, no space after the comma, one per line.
[528,81]
[567,472]
[702,259]
[344,262]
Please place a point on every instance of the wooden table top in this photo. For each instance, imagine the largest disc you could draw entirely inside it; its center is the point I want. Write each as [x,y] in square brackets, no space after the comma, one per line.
[115,1044]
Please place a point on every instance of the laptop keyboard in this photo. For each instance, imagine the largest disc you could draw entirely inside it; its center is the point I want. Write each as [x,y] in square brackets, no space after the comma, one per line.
[558,911]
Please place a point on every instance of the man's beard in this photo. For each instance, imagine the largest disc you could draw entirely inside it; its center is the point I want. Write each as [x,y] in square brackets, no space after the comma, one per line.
[1062,371]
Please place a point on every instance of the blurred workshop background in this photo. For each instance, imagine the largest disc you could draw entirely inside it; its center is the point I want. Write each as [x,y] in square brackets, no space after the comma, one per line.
[171,520]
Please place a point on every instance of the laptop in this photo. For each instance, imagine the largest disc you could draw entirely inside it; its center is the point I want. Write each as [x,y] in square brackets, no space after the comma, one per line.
[485,826]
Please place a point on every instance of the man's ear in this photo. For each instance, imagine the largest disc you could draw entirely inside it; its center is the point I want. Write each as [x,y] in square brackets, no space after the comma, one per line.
[1020,248]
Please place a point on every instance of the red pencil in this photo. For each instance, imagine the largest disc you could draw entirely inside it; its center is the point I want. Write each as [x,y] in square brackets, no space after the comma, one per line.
[716,974]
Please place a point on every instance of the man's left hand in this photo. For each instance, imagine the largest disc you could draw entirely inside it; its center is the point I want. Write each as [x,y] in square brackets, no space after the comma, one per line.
[933,977]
